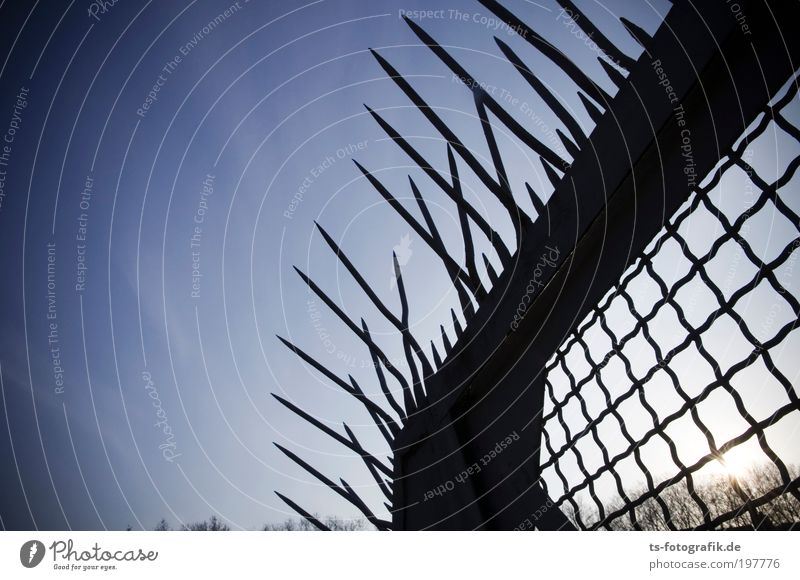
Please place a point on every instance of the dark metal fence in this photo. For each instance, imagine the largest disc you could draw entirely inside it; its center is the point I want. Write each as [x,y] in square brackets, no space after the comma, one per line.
[636,417]
[697,376]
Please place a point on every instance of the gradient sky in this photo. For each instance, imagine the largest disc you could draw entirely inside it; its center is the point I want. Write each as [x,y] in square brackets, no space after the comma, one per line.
[268,100]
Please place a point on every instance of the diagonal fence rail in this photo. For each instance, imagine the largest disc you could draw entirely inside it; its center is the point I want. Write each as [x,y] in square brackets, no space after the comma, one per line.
[525,383]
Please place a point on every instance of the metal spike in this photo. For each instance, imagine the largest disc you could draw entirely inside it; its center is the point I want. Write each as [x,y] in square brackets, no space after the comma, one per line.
[539,87]
[481,97]
[464,152]
[437,361]
[352,326]
[419,393]
[522,134]
[342,492]
[355,442]
[371,406]
[490,270]
[426,214]
[398,324]
[497,159]
[401,290]
[440,126]
[303,513]
[310,360]
[551,173]
[551,52]
[382,525]
[446,187]
[537,202]
[603,43]
[352,445]
[463,297]
[383,427]
[569,145]
[370,466]
[594,112]
[387,492]
[382,378]
[466,234]
[315,422]
[382,308]
[616,77]
[445,340]
[345,492]
[358,502]
[467,307]
[638,33]
[440,251]
[456,323]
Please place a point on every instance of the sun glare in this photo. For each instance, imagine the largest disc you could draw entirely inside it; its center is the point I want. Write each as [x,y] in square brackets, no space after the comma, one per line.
[737,462]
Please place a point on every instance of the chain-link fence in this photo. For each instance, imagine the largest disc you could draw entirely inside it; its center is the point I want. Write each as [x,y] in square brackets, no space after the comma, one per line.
[674,404]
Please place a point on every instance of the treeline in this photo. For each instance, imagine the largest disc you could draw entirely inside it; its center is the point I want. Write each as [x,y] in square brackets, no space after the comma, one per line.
[723,496]
[216,524]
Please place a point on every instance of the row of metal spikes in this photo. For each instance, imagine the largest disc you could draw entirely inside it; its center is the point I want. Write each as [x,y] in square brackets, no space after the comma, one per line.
[466,280]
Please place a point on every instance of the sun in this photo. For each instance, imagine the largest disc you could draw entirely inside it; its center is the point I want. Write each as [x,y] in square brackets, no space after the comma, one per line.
[737,463]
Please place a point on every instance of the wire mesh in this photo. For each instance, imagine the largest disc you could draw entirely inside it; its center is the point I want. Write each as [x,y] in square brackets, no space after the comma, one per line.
[674,403]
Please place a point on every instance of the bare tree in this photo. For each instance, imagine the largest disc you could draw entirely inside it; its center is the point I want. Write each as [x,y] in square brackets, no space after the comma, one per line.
[331,522]
[676,508]
[214,524]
